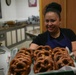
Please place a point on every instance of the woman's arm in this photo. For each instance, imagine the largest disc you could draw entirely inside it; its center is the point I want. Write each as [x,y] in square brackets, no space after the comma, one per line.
[33,46]
[74,48]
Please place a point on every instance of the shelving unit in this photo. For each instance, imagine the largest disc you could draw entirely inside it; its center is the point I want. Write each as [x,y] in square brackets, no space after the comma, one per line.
[12,36]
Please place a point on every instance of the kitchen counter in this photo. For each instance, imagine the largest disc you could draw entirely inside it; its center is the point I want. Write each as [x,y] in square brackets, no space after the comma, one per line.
[12,27]
[33,33]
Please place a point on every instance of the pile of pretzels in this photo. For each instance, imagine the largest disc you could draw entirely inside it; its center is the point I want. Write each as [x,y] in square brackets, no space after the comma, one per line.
[21,64]
[44,59]
[48,59]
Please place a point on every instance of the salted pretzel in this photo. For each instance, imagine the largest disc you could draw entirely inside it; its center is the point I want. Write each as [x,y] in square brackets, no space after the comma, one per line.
[35,54]
[20,73]
[26,51]
[43,53]
[46,47]
[58,55]
[19,65]
[64,61]
[21,55]
[59,49]
[43,65]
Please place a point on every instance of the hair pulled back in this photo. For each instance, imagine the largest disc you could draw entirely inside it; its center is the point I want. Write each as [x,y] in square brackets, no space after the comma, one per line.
[54,7]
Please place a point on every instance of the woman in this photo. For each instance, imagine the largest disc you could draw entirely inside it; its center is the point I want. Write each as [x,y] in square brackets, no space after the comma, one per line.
[55,36]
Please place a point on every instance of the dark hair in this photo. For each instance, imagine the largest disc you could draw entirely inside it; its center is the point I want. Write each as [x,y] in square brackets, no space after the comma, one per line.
[55,7]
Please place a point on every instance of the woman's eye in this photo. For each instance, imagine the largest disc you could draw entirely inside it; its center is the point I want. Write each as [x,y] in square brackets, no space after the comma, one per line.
[47,20]
[52,20]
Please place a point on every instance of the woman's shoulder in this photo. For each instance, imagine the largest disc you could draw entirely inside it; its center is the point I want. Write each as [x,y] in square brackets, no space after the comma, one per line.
[40,39]
[43,33]
[66,30]
[69,33]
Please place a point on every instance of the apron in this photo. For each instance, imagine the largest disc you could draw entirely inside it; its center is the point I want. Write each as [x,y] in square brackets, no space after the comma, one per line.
[65,42]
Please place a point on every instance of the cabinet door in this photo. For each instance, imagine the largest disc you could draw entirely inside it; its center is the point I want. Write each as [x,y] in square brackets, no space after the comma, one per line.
[13,36]
[18,35]
[8,38]
[22,33]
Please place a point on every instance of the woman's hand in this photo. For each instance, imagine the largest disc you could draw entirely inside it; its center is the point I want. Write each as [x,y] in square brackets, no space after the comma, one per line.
[74,48]
[74,52]
[33,46]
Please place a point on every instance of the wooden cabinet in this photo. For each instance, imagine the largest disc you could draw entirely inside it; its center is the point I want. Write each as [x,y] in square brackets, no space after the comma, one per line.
[68,14]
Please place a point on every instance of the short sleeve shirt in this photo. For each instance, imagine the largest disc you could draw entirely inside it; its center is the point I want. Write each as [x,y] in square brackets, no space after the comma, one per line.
[41,39]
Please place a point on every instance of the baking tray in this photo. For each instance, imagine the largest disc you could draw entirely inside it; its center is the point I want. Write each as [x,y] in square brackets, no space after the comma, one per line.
[66,70]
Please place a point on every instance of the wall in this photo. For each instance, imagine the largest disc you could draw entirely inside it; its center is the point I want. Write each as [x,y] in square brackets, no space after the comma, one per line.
[8,12]
[18,10]
[24,11]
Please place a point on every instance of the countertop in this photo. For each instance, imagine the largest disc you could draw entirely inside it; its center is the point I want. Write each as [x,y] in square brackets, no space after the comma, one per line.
[33,33]
[11,27]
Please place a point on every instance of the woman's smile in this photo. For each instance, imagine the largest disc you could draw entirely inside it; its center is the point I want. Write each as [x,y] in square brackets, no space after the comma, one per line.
[52,21]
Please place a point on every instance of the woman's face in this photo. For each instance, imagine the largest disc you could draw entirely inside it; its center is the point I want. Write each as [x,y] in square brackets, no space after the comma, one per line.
[52,21]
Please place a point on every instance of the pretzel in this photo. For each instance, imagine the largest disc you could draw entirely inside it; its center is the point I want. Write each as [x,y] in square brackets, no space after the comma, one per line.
[59,49]
[26,51]
[43,53]
[43,64]
[35,54]
[20,64]
[21,73]
[64,61]
[46,47]
[58,55]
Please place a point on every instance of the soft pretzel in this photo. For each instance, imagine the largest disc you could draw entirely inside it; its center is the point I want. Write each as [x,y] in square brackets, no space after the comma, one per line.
[35,54]
[43,64]
[26,51]
[43,53]
[58,55]
[21,73]
[46,47]
[59,49]
[64,61]
[19,65]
